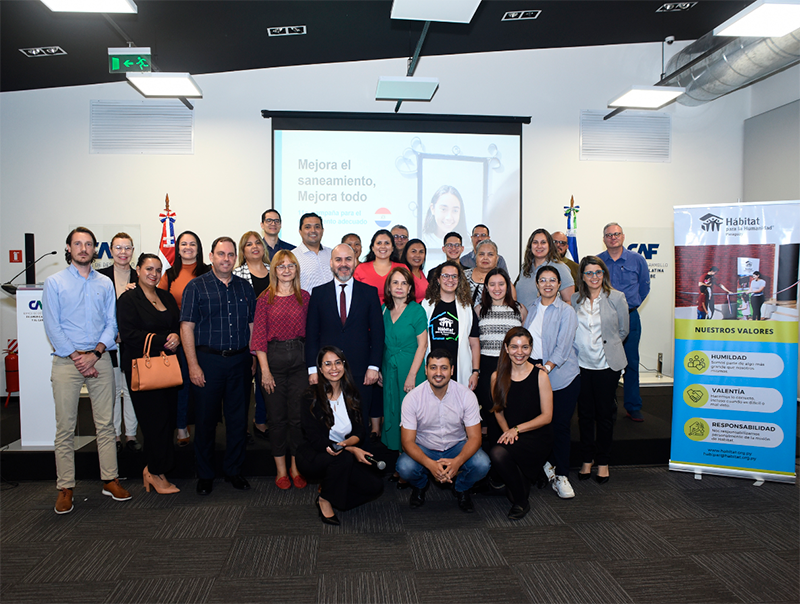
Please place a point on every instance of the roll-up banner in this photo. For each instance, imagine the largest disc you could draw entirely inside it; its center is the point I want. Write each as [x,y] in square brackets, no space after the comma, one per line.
[736,333]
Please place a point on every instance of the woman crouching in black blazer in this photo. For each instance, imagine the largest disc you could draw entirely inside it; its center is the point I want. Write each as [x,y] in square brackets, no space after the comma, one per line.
[332,427]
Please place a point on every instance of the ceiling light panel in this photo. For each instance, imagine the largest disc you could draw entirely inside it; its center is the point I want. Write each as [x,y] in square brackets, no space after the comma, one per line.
[397,88]
[162,84]
[91,6]
[763,19]
[646,97]
[521,15]
[448,11]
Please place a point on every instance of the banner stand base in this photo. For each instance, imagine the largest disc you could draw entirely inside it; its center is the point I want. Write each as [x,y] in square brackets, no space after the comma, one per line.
[699,470]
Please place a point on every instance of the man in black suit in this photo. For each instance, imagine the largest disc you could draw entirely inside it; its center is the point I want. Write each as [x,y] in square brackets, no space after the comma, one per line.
[347,313]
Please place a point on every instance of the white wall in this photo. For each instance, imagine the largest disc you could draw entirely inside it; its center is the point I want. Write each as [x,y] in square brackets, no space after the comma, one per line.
[49,180]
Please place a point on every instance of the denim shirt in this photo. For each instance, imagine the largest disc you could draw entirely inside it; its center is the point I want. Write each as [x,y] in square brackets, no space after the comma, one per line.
[558,340]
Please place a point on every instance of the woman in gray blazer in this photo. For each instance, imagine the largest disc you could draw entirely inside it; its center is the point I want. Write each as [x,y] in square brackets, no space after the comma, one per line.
[603,325]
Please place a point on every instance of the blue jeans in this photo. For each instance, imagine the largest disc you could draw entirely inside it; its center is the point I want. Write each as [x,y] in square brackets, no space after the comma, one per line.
[475,468]
[633,400]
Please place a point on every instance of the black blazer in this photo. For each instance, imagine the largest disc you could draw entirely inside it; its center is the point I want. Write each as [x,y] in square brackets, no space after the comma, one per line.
[136,317]
[315,432]
[361,337]
[109,272]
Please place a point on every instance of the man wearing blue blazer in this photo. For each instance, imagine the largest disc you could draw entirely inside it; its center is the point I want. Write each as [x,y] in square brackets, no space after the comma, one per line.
[347,313]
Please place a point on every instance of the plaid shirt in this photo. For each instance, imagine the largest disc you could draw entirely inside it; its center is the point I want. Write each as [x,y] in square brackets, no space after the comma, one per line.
[221,314]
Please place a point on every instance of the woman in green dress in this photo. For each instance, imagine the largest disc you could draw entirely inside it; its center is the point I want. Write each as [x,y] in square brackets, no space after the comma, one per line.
[405,325]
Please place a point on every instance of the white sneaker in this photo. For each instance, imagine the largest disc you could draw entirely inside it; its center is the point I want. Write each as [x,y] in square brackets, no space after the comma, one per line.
[549,471]
[562,486]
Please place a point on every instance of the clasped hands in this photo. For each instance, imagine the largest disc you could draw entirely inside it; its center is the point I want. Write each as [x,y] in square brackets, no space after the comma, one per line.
[84,363]
[444,470]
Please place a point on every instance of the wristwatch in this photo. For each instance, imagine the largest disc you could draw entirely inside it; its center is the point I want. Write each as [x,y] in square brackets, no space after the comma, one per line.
[97,353]
[478,371]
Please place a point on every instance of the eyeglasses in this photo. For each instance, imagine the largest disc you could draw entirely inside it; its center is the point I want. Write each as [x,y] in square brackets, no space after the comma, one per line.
[480,235]
[545,281]
[559,243]
[592,273]
[329,364]
[272,221]
[400,237]
[285,267]
[447,277]
[453,246]
[123,248]
[612,235]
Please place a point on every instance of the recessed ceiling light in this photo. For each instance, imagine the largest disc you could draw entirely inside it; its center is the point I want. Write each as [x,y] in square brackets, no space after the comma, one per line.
[521,15]
[43,51]
[675,7]
[287,30]
[91,6]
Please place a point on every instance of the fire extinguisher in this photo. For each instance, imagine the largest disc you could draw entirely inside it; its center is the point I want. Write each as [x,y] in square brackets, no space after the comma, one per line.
[12,373]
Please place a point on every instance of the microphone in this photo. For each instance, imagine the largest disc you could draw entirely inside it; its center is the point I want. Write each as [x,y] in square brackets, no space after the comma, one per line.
[12,289]
[381,465]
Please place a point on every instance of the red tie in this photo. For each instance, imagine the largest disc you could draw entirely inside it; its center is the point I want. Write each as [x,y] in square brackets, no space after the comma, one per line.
[343,304]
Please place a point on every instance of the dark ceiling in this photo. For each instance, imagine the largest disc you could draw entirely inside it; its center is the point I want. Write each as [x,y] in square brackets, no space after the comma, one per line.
[213,36]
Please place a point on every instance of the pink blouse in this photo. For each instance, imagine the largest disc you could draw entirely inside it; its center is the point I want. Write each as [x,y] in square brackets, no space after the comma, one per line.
[420,287]
[284,319]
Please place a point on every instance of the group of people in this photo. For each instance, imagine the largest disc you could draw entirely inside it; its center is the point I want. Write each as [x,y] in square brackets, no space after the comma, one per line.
[460,371]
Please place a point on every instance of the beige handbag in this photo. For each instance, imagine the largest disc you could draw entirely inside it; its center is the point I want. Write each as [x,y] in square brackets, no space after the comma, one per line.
[149,373]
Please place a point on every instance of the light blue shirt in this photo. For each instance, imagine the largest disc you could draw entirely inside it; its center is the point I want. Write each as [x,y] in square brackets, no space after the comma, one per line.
[630,275]
[558,340]
[79,313]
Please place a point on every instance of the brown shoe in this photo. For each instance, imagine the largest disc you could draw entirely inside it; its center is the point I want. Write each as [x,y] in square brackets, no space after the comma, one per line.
[114,490]
[64,502]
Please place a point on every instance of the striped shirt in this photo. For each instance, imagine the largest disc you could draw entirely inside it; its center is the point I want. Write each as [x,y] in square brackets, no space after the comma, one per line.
[494,327]
[315,269]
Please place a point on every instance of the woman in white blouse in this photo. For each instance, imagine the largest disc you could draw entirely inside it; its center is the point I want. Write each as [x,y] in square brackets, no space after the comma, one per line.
[332,431]
[603,325]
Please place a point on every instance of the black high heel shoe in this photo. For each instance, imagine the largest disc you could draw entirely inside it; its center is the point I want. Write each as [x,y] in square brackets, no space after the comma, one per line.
[582,476]
[333,520]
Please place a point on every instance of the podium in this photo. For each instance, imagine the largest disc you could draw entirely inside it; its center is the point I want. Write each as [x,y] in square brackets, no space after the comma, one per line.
[37,409]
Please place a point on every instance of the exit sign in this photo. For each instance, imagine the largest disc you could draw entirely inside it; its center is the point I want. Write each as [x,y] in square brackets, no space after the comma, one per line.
[122,60]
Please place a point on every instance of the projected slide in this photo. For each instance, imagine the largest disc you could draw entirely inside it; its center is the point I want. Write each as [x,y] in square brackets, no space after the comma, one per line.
[430,182]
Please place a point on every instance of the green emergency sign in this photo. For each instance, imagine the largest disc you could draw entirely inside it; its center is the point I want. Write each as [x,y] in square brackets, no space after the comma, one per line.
[123,60]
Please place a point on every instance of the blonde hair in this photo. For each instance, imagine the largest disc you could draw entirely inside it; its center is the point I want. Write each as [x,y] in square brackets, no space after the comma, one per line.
[271,291]
[243,240]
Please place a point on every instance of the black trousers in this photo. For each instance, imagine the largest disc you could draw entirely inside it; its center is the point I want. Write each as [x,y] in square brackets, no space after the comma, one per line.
[227,383]
[597,412]
[564,402]
[345,482]
[757,302]
[156,411]
[288,367]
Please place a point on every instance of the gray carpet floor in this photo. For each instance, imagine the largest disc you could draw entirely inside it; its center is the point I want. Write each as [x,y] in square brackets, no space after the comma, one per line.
[649,535]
